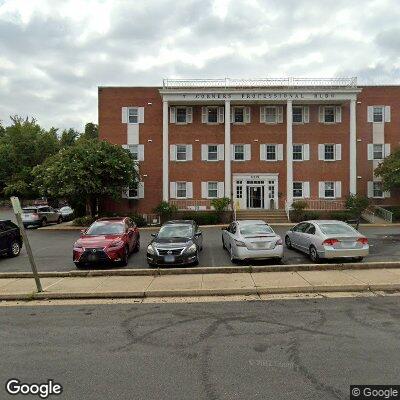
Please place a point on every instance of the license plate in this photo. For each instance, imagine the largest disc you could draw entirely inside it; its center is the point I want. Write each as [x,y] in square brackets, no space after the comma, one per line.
[262,245]
[92,257]
[169,259]
[349,245]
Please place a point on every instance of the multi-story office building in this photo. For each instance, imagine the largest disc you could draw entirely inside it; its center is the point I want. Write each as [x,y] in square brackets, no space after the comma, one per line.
[263,143]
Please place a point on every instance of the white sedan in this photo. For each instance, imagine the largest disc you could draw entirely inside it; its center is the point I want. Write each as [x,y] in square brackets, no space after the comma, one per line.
[252,240]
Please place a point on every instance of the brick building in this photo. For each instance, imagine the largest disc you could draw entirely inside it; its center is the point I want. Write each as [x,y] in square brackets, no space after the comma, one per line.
[263,143]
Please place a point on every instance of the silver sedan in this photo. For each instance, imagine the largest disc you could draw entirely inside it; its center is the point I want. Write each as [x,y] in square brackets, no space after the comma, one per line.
[251,240]
[327,239]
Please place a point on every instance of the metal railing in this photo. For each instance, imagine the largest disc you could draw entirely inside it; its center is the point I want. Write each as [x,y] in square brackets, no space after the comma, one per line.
[384,214]
[152,219]
[261,82]
[192,204]
[325,205]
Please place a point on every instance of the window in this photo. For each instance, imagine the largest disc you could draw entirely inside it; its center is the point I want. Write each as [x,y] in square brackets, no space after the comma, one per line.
[270,115]
[329,152]
[298,152]
[180,190]
[239,189]
[181,115]
[212,190]
[134,149]
[378,151]
[297,114]
[238,154]
[133,115]
[239,114]
[212,152]
[329,114]
[297,189]
[180,152]
[270,152]
[329,189]
[377,189]
[133,192]
[378,114]
[212,114]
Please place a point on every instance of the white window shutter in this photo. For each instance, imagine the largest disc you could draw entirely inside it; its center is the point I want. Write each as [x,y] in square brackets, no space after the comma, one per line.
[172,115]
[306,190]
[124,115]
[387,150]
[321,152]
[321,111]
[370,115]
[279,110]
[306,114]
[232,114]
[204,152]
[141,190]
[203,115]
[387,113]
[189,115]
[172,190]
[221,111]
[370,151]
[321,190]
[306,152]
[204,190]
[172,152]
[386,194]
[232,152]
[338,152]
[189,152]
[279,155]
[338,114]
[262,114]
[338,189]
[221,155]
[247,115]
[221,189]
[189,190]
[262,152]
[370,189]
[141,152]
[247,152]
[125,193]
[141,115]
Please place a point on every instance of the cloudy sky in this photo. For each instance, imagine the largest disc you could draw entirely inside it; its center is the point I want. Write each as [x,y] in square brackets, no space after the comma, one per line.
[54,53]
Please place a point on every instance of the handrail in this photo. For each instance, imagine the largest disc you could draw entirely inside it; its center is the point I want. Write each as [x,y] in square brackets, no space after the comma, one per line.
[384,214]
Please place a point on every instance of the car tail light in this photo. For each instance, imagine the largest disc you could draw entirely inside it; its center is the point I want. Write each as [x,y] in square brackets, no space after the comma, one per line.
[278,242]
[362,240]
[330,242]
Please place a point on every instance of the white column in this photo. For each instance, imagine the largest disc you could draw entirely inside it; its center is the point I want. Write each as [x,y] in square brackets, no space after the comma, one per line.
[289,154]
[165,152]
[228,149]
[353,148]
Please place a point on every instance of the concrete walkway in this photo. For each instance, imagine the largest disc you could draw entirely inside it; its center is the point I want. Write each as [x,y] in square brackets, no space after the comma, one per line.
[240,283]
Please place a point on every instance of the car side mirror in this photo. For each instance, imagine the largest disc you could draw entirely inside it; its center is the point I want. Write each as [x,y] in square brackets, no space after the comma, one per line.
[224,228]
[83,231]
[197,234]
[154,234]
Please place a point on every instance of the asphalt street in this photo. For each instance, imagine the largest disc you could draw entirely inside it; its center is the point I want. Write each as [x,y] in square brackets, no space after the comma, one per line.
[293,349]
[53,249]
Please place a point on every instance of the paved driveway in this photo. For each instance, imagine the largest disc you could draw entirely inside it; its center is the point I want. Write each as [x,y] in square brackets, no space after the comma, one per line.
[53,249]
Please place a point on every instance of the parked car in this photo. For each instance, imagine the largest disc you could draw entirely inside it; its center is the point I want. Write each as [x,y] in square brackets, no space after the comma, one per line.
[67,213]
[107,241]
[177,242]
[327,239]
[40,216]
[251,239]
[10,238]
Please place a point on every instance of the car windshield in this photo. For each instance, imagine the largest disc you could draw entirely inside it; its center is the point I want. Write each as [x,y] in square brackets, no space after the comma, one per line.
[29,210]
[65,208]
[255,230]
[172,231]
[106,228]
[336,229]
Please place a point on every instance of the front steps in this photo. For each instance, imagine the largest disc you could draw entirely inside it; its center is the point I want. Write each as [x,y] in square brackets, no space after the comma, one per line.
[269,216]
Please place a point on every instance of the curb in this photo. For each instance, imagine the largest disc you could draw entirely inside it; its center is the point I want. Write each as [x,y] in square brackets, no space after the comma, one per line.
[206,270]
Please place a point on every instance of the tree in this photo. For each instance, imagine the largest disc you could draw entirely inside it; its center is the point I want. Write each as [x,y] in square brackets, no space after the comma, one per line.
[91,131]
[88,171]
[357,204]
[68,137]
[389,171]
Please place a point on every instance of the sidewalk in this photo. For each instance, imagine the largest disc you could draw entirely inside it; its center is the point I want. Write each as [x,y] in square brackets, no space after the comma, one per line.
[240,283]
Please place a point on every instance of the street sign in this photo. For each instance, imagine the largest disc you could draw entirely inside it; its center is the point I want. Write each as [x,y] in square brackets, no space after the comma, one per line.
[16,205]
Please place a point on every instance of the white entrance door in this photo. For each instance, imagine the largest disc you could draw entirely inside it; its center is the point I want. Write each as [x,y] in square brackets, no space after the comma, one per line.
[255,196]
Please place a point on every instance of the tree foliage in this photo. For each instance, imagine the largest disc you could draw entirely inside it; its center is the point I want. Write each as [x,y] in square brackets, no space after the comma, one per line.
[68,137]
[389,171]
[87,171]
[357,204]
[91,131]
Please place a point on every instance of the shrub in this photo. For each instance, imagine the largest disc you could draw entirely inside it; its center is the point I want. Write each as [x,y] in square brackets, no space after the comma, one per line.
[203,218]
[299,216]
[83,221]
[220,204]
[342,215]
[165,210]
[311,215]
[138,219]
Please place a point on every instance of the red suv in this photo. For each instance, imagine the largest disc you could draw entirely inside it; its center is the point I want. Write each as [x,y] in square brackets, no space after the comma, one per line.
[108,240]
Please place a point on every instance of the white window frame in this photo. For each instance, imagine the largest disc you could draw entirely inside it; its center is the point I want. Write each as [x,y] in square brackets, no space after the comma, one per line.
[302,152]
[302,190]
[185,152]
[382,108]
[382,151]
[302,115]
[234,153]
[234,109]
[334,114]
[381,189]
[216,190]
[129,109]
[333,152]
[208,152]
[275,146]
[139,192]
[177,190]
[275,121]
[334,190]
[176,115]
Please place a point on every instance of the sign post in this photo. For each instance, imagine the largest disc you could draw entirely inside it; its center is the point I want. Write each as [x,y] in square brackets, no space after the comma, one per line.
[18,211]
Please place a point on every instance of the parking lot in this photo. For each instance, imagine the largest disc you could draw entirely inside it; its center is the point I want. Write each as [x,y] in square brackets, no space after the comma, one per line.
[53,249]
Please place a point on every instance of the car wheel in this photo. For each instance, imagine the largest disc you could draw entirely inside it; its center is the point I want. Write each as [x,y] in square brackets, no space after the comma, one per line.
[359,259]
[314,254]
[15,249]
[288,242]
[232,256]
[79,265]
[43,222]
[124,261]
[137,246]
[223,244]
[60,219]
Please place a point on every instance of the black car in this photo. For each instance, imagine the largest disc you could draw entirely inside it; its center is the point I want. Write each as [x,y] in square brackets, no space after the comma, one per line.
[177,242]
[10,239]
